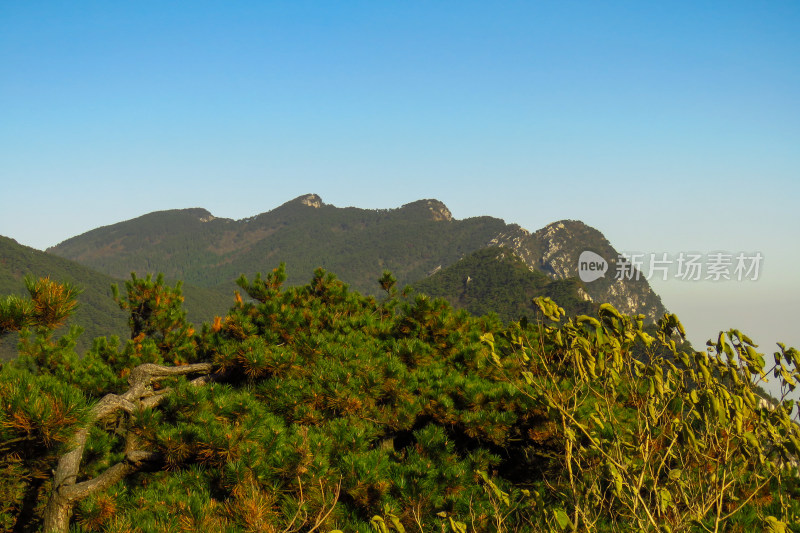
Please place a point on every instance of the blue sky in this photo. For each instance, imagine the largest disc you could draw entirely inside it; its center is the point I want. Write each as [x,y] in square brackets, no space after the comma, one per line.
[669,126]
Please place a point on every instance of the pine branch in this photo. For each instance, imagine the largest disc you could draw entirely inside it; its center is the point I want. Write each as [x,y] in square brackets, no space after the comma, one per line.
[66,492]
[132,462]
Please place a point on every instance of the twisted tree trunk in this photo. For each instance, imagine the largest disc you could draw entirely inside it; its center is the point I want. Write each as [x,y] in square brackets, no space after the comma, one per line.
[66,492]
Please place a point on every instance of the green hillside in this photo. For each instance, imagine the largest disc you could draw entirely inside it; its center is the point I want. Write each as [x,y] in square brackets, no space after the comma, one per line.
[495,280]
[97,312]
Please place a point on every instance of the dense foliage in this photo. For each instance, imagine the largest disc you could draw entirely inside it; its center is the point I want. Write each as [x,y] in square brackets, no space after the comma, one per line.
[314,408]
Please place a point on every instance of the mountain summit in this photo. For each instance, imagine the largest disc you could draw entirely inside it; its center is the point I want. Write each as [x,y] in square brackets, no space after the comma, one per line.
[412,241]
[434,209]
[310,200]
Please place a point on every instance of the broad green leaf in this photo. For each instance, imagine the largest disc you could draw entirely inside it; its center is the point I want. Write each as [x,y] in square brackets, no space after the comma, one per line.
[562,518]
[610,309]
[665,499]
[752,440]
[457,527]
[651,410]
[773,525]
[618,483]
[396,524]
[645,338]
[378,524]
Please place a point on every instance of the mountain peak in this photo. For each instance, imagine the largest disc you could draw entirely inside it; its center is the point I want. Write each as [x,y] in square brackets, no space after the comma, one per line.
[566,224]
[298,205]
[311,200]
[203,215]
[435,207]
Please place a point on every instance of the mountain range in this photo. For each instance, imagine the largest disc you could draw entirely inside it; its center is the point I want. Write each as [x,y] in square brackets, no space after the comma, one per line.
[481,264]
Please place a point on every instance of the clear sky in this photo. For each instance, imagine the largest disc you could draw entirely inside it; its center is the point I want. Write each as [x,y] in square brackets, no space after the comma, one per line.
[669,126]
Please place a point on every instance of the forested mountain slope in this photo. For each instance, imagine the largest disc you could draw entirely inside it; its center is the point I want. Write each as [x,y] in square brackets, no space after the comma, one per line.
[413,242]
[97,312]
[495,280]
